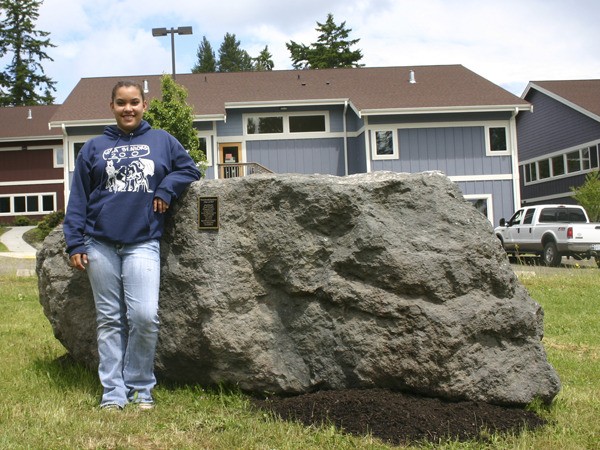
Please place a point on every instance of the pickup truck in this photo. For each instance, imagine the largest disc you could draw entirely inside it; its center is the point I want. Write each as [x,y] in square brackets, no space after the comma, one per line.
[550,231]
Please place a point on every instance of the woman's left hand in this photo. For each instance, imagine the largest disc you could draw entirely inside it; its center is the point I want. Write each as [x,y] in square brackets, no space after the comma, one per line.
[160,206]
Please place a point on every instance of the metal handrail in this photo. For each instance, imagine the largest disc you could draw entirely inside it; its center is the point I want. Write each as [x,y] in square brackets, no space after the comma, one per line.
[232,170]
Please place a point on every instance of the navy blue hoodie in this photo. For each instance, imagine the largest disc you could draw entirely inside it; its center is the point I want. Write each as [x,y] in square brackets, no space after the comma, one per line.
[117,175]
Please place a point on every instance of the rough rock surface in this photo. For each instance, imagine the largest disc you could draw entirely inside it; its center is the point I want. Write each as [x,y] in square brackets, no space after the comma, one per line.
[319,282]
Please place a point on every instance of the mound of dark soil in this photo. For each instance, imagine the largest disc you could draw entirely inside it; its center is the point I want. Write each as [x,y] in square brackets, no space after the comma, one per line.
[398,418]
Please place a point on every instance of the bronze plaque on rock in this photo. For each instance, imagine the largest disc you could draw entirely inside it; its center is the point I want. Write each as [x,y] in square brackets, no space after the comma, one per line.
[208,213]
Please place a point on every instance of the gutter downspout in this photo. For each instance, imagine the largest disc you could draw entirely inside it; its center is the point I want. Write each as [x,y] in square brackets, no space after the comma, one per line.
[66,165]
[367,146]
[515,160]
[345,138]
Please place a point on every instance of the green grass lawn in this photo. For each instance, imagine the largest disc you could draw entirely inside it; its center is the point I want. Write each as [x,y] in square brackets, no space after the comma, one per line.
[49,402]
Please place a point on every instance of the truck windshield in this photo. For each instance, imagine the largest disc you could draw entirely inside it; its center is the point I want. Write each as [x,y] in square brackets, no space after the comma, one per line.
[549,215]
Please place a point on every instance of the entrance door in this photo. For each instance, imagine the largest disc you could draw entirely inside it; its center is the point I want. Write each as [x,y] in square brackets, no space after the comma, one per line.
[229,158]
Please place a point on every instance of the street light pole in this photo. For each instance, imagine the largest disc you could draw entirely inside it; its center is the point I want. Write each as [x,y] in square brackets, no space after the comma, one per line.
[163,32]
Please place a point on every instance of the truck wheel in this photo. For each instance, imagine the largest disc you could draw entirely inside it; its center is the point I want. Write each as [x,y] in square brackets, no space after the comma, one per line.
[551,255]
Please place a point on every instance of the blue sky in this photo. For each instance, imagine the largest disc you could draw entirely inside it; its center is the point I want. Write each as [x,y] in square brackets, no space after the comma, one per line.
[509,42]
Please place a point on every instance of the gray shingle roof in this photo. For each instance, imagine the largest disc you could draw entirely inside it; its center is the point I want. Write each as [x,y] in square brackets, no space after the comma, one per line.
[369,91]
[15,125]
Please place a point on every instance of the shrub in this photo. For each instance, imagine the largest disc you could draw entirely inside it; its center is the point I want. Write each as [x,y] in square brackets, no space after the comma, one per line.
[22,221]
[50,222]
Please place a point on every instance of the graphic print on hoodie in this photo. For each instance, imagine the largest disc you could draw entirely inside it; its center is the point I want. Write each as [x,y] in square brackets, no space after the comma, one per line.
[133,176]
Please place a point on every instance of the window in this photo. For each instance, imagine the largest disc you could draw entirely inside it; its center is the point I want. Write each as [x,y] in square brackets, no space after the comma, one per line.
[59,157]
[550,215]
[4,205]
[483,204]
[497,137]
[384,144]
[516,218]
[307,124]
[558,166]
[288,123]
[544,167]
[27,204]
[75,147]
[480,205]
[585,158]
[573,162]
[47,202]
[570,162]
[19,203]
[264,125]
[530,172]
[529,216]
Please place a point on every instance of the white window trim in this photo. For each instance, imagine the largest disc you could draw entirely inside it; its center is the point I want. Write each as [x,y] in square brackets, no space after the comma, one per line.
[72,141]
[488,200]
[55,152]
[488,147]
[209,136]
[562,153]
[396,147]
[286,134]
[29,194]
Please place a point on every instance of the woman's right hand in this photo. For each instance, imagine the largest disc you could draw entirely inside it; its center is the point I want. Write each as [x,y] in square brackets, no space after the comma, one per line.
[79,261]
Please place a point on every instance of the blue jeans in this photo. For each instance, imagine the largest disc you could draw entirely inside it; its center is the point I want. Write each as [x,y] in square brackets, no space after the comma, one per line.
[125,280]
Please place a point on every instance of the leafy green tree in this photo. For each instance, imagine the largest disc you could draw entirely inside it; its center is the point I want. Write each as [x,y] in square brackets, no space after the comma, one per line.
[173,114]
[23,82]
[206,58]
[232,58]
[588,195]
[264,61]
[332,49]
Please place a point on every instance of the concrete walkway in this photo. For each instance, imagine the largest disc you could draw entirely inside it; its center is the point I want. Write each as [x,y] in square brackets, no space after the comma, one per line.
[17,247]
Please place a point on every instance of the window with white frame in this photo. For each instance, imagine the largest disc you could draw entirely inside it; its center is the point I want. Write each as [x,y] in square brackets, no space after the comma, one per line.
[205,146]
[39,203]
[75,146]
[483,204]
[58,157]
[497,139]
[384,144]
[571,162]
[288,123]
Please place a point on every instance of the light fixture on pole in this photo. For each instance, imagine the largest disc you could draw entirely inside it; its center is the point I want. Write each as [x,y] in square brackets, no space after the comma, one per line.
[164,31]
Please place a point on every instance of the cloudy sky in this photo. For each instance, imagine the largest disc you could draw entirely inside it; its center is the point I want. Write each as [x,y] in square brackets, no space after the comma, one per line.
[509,42]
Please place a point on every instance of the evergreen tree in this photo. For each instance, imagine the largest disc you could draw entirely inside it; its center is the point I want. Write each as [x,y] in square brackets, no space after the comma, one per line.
[23,82]
[232,58]
[206,58]
[173,114]
[264,60]
[588,195]
[332,49]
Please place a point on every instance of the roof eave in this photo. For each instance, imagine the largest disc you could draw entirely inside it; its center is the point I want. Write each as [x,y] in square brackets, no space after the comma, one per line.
[209,117]
[51,137]
[283,102]
[445,109]
[80,123]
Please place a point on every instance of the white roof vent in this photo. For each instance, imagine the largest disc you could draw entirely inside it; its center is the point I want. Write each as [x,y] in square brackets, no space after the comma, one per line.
[146,90]
[29,115]
[411,77]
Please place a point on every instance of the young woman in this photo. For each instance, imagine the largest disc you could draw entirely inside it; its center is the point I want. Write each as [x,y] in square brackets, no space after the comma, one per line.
[123,184]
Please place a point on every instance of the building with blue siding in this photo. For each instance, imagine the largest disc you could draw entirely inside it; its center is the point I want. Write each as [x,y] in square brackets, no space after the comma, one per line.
[339,122]
[559,141]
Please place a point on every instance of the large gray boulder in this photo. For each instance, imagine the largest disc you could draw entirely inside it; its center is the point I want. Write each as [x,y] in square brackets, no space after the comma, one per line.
[319,282]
